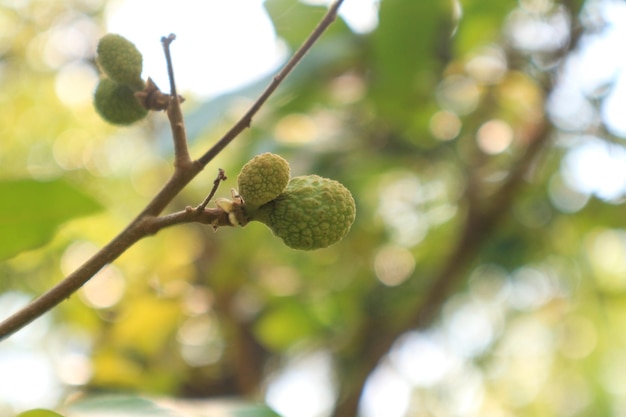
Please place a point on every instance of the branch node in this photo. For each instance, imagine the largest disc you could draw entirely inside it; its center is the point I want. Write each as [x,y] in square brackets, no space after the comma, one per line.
[152,98]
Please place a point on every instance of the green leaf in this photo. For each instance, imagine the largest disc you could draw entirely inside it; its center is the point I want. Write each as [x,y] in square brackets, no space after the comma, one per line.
[39,412]
[407,52]
[132,406]
[31,211]
[286,324]
[481,23]
[114,406]
[294,21]
[247,410]
[222,408]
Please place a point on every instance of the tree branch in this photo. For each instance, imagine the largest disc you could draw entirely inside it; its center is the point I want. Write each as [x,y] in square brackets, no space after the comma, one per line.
[478,227]
[147,222]
[246,120]
[182,160]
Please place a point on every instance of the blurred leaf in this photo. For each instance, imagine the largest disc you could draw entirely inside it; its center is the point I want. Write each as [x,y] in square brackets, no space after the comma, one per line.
[130,406]
[210,113]
[481,23]
[115,406]
[222,408]
[111,369]
[253,411]
[39,412]
[148,325]
[406,52]
[294,21]
[285,324]
[31,211]
[308,80]
[576,6]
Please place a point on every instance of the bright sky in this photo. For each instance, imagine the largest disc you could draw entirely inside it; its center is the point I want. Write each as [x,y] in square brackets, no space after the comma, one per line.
[593,166]
[221,44]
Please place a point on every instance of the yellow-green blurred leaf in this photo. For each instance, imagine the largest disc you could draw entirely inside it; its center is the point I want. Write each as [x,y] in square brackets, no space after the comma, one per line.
[31,211]
[404,59]
[117,406]
[39,412]
[147,326]
[285,324]
[481,23]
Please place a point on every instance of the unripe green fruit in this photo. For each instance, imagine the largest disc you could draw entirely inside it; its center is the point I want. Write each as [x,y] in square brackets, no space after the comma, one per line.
[120,60]
[117,104]
[262,179]
[311,213]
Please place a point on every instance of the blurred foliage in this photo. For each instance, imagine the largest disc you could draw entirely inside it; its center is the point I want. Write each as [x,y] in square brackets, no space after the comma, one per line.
[129,406]
[40,412]
[425,119]
[26,223]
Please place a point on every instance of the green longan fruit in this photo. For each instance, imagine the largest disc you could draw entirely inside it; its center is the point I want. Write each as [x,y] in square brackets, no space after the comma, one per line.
[120,60]
[262,179]
[311,213]
[117,104]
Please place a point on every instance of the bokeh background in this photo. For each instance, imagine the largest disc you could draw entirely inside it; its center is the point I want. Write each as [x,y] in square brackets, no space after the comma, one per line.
[483,141]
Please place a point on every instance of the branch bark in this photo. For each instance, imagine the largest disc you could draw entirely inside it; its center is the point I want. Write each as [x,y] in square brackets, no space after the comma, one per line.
[147,222]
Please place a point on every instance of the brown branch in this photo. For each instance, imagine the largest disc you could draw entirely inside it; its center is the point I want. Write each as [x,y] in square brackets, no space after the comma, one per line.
[147,222]
[147,226]
[480,224]
[246,120]
[213,216]
[174,112]
[378,338]
[71,283]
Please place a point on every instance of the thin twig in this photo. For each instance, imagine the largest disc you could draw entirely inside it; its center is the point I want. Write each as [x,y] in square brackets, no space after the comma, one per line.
[167,41]
[147,222]
[216,183]
[182,160]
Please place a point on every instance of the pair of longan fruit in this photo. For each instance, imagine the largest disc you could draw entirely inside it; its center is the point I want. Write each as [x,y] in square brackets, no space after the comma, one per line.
[121,63]
[306,212]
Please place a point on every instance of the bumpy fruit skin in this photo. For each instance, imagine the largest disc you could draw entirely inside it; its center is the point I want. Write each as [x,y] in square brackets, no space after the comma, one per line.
[120,60]
[312,213]
[262,179]
[117,104]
